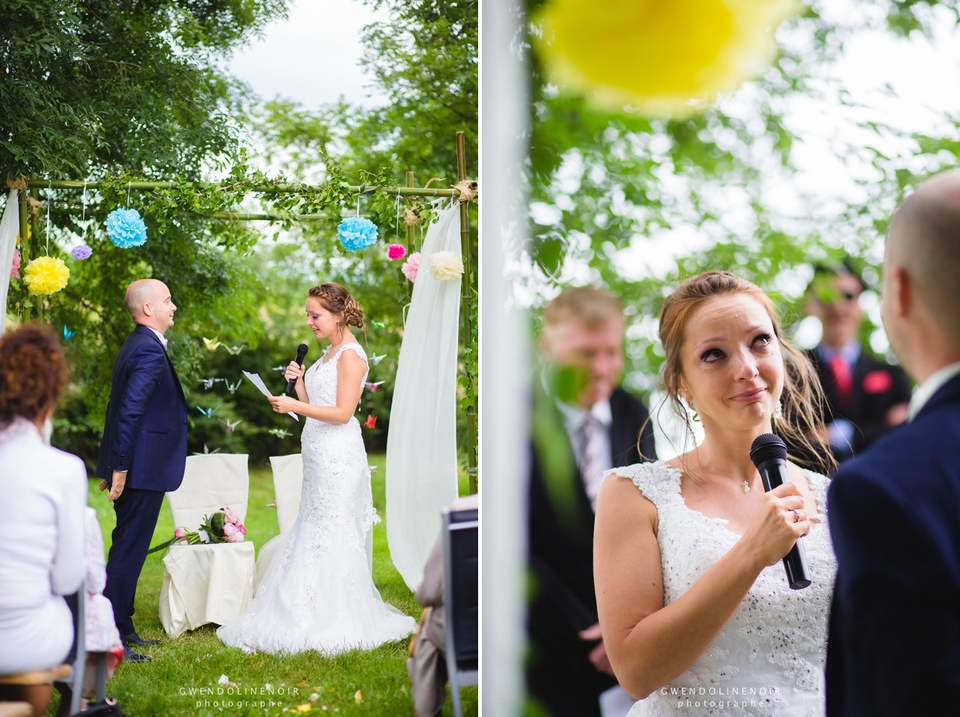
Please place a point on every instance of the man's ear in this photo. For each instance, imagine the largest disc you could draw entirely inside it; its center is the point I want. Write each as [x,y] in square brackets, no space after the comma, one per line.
[903,292]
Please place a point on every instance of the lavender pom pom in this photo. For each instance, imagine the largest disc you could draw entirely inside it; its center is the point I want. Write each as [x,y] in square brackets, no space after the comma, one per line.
[81,252]
[356,233]
[125,228]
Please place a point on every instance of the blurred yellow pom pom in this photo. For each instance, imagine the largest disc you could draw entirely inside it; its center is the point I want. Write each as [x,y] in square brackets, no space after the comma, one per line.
[656,57]
[46,275]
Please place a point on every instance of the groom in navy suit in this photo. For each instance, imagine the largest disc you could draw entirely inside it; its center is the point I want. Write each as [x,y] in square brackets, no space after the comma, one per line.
[144,447]
[894,511]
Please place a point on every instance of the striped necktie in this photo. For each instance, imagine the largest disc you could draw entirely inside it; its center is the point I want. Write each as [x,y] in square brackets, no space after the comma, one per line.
[592,463]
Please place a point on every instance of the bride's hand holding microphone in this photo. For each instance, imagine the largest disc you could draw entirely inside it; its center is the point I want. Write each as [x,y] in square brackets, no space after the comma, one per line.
[776,524]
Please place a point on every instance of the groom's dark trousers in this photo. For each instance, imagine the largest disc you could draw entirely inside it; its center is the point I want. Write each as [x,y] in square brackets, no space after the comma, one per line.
[894,513]
[145,434]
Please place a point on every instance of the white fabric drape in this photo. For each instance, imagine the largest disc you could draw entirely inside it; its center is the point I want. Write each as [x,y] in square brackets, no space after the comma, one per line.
[9,226]
[422,440]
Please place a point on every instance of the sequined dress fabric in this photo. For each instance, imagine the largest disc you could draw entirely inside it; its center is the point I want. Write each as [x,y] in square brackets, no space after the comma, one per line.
[318,594]
[769,658]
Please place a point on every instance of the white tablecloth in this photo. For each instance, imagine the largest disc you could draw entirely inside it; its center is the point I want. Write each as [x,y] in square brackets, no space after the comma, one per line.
[204,584]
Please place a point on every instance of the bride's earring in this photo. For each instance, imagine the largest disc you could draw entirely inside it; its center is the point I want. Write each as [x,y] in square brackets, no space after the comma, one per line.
[693,410]
[778,411]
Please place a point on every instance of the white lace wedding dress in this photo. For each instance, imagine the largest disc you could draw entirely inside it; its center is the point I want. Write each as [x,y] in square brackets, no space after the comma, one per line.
[769,658]
[318,594]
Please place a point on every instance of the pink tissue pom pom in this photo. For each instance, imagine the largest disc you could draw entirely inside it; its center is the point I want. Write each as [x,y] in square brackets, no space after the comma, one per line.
[15,269]
[396,251]
[411,266]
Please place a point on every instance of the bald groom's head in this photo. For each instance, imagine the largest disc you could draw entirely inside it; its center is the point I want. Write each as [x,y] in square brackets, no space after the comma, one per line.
[924,239]
[150,304]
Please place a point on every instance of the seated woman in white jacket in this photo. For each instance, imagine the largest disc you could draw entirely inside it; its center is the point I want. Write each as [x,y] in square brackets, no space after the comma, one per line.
[42,498]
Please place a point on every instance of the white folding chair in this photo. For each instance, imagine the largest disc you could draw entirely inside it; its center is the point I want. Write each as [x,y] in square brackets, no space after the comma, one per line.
[287,485]
[461,599]
[207,583]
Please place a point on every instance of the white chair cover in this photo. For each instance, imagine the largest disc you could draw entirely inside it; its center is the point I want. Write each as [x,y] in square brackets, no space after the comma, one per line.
[421,475]
[207,583]
[287,485]
[9,226]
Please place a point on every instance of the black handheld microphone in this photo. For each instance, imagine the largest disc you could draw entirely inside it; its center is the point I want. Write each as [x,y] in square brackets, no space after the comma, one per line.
[769,455]
[301,354]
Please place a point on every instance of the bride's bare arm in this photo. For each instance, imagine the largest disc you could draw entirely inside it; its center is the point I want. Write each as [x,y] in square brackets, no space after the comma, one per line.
[350,370]
[649,644]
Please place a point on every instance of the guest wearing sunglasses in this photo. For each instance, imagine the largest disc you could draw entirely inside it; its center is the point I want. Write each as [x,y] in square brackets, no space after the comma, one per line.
[865,396]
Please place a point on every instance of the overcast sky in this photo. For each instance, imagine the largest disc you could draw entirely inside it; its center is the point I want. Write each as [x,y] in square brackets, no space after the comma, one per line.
[311,57]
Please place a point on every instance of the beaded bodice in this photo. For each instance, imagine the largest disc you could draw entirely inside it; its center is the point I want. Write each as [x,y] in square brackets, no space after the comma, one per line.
[769,658]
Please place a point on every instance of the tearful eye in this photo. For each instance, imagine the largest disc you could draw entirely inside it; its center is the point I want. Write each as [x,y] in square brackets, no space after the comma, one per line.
[711,355]
[763,340]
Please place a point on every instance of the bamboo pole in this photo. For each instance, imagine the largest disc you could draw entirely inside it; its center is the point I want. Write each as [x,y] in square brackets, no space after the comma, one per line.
[262,188]
[410,183]
[22,199]
[467,319]
[254,217]
[35,237]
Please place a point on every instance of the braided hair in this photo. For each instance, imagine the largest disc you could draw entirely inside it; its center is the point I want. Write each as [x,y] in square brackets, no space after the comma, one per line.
[336,299]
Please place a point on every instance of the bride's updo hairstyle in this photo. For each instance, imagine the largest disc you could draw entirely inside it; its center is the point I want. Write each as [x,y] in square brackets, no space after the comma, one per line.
[33,373]
[802,397]
[335,298]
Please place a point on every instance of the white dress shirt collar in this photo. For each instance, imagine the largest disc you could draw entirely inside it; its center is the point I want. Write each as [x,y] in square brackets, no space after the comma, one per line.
[159,336]
[575,416]
[934,383]
[850,352]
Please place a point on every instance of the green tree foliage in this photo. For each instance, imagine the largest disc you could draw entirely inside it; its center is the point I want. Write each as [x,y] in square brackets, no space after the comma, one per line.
[102,85]
[609,190]
[118,91]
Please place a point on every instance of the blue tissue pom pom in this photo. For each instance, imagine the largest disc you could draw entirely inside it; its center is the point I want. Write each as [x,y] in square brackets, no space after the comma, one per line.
[125,228]
[356,233]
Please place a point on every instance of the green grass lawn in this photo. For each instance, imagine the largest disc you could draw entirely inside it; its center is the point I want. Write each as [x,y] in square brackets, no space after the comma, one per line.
[183,677]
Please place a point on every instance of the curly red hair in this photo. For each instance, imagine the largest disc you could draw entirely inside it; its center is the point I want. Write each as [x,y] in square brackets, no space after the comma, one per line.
[33,373]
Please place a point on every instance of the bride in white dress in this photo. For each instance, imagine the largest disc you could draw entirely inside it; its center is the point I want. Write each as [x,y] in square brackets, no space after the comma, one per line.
[696,612]
[318,594]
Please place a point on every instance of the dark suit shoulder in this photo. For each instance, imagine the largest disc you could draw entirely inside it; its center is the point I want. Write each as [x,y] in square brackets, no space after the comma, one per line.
[631,425]
[912,458]
[623,400]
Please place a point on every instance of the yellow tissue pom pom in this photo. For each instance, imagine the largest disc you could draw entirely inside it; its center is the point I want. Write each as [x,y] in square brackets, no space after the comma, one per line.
[659,58]
[46,275]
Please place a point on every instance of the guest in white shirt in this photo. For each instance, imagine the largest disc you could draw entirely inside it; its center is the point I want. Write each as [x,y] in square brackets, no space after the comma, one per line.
[44,495]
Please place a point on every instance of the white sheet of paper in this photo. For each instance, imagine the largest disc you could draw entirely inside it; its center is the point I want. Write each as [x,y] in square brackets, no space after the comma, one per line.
[258,382]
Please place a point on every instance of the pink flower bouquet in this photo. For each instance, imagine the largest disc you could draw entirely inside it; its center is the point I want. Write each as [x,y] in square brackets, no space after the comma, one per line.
[223,526]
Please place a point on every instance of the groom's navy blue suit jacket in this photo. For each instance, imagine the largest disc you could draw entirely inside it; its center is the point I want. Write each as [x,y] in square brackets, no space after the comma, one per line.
[146,426]
[894,511]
